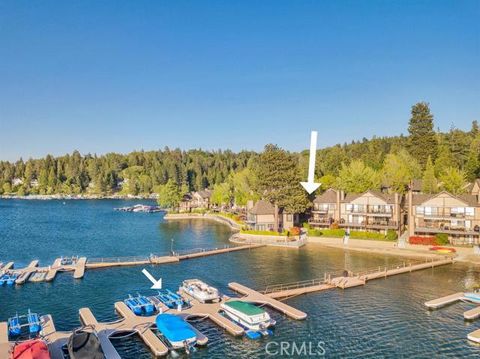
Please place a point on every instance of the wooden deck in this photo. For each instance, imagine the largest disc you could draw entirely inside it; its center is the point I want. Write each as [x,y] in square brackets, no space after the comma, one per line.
[443,301]
[78,267]
[472,314]
[251,295]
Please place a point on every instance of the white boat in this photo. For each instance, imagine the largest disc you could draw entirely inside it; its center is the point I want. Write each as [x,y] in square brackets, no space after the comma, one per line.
[200,291]
[473,297]
[248,316]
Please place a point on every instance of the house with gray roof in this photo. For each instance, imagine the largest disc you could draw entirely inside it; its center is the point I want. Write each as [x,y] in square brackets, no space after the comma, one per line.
[455,215]
[372,211]
[261,217]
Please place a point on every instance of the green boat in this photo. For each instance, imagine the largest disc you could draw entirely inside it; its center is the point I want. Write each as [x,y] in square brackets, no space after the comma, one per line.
[248,315]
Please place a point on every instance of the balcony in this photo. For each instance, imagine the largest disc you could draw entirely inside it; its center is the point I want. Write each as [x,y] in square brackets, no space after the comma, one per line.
[321,221]
[458,230]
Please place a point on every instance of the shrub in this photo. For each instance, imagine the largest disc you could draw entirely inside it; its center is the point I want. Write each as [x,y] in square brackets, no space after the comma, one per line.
[426,241]
[334,225]
[391,235]
[314,232]
[366,235]
[295,231]
[441,239]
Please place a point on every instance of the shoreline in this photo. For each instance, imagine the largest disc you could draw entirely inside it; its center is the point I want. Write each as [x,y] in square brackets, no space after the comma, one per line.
[78,197]
[463,254]
[214,217]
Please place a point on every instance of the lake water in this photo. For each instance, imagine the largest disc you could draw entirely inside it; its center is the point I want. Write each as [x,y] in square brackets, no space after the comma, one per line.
[384,319]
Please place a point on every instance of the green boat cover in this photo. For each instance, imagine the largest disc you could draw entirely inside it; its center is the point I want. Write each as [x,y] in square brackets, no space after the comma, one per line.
[244,307]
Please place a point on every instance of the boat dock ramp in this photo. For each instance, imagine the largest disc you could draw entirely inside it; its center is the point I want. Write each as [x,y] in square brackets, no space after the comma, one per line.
[78,265]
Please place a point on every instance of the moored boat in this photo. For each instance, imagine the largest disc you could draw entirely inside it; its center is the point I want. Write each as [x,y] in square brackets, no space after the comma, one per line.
[200,291]
[33,322]
[473,297]
[256,320]
[133,304]
[84,344]
[31,349]
[147,307]
[14,327]
[176,332]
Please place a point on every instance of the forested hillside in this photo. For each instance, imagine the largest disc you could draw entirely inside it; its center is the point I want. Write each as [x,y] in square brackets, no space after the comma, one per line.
[442,160]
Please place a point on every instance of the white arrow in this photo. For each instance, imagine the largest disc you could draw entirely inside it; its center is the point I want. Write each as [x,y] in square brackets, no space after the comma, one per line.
[157,284]
[311,186]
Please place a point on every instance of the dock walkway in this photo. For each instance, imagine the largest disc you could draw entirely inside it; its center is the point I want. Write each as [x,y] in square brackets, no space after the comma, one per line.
[79,265]
[351,280]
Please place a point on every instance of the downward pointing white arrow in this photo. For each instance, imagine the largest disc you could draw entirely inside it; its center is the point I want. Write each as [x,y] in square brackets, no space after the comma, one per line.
[311,186]
[157,284]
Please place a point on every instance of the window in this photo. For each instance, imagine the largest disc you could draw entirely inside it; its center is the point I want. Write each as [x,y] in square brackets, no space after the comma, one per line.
[349,207]
[289,217]
[470,211]
[428,211]
[420,210]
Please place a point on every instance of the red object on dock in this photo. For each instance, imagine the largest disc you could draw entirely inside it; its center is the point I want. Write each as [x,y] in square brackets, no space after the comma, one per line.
[32,349]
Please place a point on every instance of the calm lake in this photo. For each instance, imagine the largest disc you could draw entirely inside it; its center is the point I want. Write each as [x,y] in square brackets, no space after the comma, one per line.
[384,319]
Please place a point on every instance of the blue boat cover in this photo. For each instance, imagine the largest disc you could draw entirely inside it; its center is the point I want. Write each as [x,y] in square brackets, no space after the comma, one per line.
[174,328]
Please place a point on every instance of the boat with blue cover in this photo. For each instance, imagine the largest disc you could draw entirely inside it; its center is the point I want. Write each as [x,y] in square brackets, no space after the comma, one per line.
[176,332]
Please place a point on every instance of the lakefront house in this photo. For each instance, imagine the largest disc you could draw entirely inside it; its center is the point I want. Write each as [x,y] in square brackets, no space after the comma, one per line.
[458,216]
[370,211]
[261,217]
[196,200]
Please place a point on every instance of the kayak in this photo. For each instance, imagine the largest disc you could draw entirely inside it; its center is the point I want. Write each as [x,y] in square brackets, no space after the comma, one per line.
[31,349]
[442,249]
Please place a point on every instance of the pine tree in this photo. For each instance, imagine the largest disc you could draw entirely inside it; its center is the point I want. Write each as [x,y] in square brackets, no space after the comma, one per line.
[278,180]
[429,181]
[422,141]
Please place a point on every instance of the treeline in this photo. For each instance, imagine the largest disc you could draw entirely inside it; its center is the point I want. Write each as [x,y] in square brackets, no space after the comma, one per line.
[135,173]
[443,160]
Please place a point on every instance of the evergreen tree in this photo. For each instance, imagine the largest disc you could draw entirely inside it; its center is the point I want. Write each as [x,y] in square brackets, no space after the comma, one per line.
[429,181]
[422,141]
[169,195]
[278,180]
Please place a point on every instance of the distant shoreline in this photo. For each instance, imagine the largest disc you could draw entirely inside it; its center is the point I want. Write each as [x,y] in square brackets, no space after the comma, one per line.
[77,197]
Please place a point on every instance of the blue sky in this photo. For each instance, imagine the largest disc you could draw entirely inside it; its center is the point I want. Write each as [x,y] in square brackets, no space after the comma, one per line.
[103,76]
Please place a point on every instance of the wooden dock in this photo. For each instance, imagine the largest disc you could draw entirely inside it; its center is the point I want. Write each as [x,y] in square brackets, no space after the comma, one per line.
[443,301]
[251,295]
[80,265]
[4,344]
[279,291]
[472,314]
[80,268]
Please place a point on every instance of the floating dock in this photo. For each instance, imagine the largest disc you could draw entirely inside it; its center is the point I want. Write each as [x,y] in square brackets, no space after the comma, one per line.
[443,301]
[80,265]
[130,323]
[349,280]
